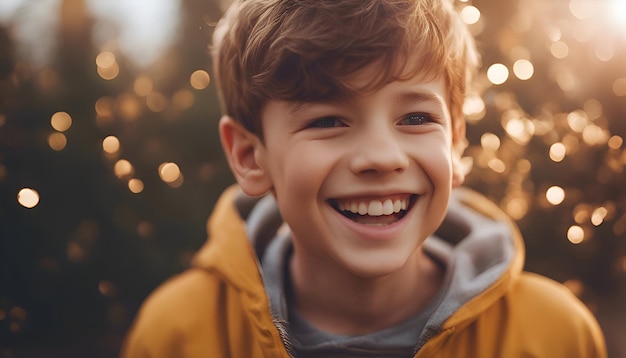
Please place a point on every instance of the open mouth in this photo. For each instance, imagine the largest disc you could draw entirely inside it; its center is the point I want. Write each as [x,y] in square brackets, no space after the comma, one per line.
[374,212]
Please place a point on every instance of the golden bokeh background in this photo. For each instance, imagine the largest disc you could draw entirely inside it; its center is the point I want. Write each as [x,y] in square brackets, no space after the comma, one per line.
[110,161]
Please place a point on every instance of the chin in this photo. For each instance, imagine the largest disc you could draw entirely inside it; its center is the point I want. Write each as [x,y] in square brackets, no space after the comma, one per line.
[375,266]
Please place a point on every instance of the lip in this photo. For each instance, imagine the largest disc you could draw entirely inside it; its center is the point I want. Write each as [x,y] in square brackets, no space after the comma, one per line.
[376,233]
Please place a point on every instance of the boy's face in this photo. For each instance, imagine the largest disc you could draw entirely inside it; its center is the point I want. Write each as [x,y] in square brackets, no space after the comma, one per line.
[361,183]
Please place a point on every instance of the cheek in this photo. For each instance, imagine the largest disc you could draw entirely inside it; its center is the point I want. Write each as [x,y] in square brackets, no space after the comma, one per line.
[434,156]
[301,170]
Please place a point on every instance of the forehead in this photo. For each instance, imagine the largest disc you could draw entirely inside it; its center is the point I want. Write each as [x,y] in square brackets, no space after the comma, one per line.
[401,93]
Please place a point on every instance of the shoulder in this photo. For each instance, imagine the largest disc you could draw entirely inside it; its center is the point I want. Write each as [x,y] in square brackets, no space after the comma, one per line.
[185,297]
[175,314]
[545,294]
[546,311]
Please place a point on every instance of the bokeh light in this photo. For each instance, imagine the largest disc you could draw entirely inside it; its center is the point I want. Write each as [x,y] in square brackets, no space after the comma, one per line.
[143,86]
[581,9]
[107,65]
[559,49]
[575,234]
[200,79]
[135,185]
[595,135]
[474,108]
[105,59]
[128,106]
[557,152]
[523,69]
[183,99]
[169,172]
[497,165]
[615,142]
[497,73]
[555,195]
[470,15]
[123,168]
[598,216]
[111,144]
[57,141]
[28,198]
[577,121]
[490,142]
[619,87]
[156,102]
[61,121]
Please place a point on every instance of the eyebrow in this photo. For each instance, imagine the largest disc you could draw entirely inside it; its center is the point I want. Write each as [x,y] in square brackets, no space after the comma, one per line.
[409,97]
[405,97]
[298,107]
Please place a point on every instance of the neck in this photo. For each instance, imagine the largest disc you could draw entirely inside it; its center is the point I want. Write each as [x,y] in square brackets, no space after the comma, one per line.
[339,302]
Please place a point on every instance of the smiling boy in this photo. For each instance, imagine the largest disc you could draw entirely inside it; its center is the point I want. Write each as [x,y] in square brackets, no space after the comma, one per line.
[348,234]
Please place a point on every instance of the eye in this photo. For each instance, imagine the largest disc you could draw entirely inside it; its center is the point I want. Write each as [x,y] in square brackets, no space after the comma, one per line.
[327,122]
[416,119]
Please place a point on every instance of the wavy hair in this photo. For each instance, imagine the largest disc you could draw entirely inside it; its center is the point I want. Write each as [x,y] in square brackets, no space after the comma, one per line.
[307,50]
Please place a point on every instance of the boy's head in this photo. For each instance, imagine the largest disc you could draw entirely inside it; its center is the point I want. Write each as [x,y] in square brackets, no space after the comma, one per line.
[348,112]
[308,50]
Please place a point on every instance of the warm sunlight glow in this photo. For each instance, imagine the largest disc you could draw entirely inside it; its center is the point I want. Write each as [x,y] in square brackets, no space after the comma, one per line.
[618,12]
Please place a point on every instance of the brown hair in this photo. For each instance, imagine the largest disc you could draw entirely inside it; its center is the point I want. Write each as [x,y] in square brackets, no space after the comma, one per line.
[306,50]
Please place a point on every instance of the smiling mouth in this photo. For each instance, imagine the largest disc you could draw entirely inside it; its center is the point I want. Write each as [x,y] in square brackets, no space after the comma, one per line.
[374,212]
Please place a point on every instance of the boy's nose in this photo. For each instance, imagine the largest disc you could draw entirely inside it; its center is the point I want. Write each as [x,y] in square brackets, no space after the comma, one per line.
[380,152]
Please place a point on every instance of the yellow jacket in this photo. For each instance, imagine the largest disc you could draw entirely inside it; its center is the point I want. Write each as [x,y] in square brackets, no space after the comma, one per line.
[219,307]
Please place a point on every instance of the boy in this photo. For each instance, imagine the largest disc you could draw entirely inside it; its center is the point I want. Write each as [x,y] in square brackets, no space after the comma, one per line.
[343,127]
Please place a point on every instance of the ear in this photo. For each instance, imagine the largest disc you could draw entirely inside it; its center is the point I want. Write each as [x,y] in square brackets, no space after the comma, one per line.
[460,167]
[241,148]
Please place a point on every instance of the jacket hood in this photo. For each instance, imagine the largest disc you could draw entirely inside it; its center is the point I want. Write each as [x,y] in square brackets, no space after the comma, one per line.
[480,246]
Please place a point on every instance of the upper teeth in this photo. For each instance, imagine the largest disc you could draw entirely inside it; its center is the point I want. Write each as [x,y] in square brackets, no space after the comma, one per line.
[374,207]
